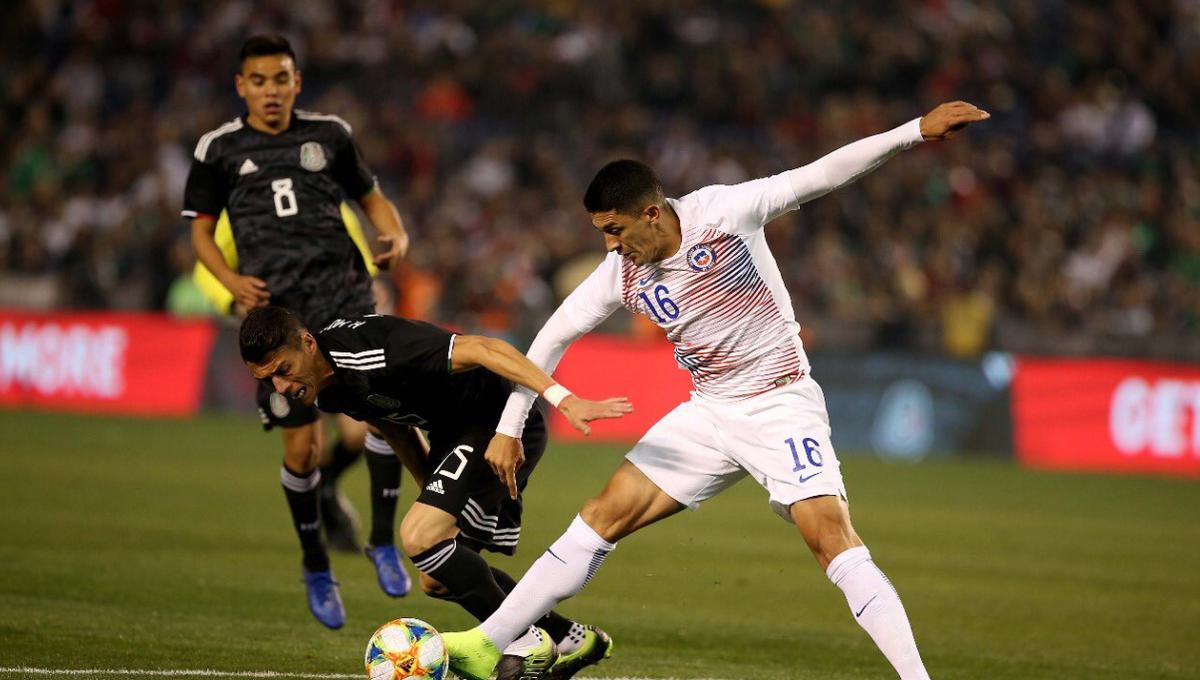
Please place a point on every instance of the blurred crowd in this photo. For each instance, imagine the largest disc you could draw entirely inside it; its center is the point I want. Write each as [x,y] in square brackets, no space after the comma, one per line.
[1070,221]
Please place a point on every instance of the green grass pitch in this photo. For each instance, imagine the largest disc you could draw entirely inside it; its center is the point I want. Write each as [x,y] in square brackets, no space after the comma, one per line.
[130,544]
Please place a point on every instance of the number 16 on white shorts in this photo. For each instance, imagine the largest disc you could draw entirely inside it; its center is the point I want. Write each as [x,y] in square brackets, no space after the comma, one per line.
[781,438]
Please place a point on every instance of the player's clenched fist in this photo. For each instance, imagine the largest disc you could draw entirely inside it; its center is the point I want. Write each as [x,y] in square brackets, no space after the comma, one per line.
[947,119]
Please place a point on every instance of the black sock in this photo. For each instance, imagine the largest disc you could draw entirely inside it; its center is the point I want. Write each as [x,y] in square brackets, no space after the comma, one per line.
[340,458]
[385,471]
[553,623]
[465,574]
[476,586]
[301,494]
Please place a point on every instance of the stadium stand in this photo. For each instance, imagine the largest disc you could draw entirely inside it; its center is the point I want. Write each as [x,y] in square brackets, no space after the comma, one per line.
[1069,224]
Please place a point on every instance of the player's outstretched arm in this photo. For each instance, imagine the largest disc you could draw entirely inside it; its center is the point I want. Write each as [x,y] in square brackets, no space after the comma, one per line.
[505,454]
[501,358]
[947,119]
[386,219]
[769,197]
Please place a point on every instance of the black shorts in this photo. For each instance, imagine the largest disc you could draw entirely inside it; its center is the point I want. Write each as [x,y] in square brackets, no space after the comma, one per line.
[464,485]
[276,410]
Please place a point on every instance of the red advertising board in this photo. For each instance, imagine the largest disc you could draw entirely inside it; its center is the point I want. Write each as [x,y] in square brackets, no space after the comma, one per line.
[139,364]
[1107,414]
[601,366]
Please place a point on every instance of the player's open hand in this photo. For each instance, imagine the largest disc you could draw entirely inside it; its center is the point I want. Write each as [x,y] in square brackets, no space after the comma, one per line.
[505,455]
[580,412]
[250,292]
[395,248]
[947,119]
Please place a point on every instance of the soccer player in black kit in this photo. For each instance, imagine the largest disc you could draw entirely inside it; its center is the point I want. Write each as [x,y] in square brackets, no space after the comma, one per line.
[394,373]
[282,174]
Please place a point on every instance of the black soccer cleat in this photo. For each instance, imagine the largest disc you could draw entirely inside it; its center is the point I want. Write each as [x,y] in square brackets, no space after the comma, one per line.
[535,665]
[339,519]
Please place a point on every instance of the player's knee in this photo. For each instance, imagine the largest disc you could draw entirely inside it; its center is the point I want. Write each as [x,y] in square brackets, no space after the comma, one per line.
[301,462]
[605,518]
[413,538]
[417,534]
[433,587]
[825,525]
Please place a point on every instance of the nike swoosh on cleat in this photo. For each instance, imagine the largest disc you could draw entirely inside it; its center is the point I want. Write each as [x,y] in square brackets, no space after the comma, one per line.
[804,479]
[864,607]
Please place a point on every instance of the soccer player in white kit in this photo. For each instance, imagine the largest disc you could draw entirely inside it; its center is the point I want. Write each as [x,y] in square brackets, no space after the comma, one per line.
[700,268]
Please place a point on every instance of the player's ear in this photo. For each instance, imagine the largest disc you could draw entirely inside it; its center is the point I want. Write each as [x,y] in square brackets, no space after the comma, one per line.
[240,84]
[652,213]
[308,342]
[297,78]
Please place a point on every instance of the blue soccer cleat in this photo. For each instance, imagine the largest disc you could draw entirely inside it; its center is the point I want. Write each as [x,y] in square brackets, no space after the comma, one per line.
[392,578]
[324,600]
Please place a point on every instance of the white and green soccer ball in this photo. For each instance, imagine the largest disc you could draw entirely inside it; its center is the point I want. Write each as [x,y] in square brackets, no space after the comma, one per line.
[407,648]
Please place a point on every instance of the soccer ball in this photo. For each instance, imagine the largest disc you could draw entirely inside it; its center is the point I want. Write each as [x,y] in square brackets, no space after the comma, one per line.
[407,648]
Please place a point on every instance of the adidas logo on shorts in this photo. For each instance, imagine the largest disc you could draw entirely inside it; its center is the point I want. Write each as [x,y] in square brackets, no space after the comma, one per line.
[435,486]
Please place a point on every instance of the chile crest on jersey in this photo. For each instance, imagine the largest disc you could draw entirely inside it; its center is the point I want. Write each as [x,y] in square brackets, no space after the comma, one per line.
[701,257]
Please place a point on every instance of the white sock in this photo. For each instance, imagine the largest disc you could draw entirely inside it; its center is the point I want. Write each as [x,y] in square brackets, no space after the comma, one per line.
[877,608]
[572,639]
[531,639]
[563,570]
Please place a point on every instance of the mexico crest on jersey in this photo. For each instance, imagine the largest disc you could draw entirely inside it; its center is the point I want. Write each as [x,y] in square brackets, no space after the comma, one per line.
[312,156]
[701,257]
[280,407]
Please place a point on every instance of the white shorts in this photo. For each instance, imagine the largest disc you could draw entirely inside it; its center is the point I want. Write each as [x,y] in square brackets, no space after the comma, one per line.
[780,438]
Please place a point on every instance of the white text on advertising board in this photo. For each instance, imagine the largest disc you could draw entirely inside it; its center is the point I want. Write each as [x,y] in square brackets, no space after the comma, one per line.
[1161,417]
[71,360]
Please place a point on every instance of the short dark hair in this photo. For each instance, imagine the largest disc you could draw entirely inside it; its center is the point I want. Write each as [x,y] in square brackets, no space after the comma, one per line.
[622,185]
[265,44]
[266,330]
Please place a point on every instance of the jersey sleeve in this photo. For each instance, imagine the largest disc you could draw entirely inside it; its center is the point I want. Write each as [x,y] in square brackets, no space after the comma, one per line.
[206,191]
[416,347]
[351,171]
[585,308]
[393,346]
[750,205]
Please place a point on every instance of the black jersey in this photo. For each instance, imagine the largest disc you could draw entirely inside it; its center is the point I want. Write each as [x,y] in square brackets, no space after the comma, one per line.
[398,370]
[283,193]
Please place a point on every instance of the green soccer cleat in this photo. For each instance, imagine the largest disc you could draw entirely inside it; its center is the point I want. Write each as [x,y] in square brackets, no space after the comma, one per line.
[532,663]
[472,654]
[596,646]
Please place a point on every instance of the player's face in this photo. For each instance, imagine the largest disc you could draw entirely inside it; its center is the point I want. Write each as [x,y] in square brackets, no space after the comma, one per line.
[641,238]
[293,371]
[269,84]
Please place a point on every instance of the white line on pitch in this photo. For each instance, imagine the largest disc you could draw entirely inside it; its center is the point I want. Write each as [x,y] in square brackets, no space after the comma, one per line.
[208,673]
[181,673]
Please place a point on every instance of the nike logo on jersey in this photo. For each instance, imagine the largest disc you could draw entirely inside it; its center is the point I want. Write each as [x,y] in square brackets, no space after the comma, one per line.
[804,479]
[248,167]
[864,607]
[646,280]
[436,487]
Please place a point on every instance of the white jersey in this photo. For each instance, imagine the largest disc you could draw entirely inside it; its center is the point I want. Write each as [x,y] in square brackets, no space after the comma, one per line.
[720,298]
